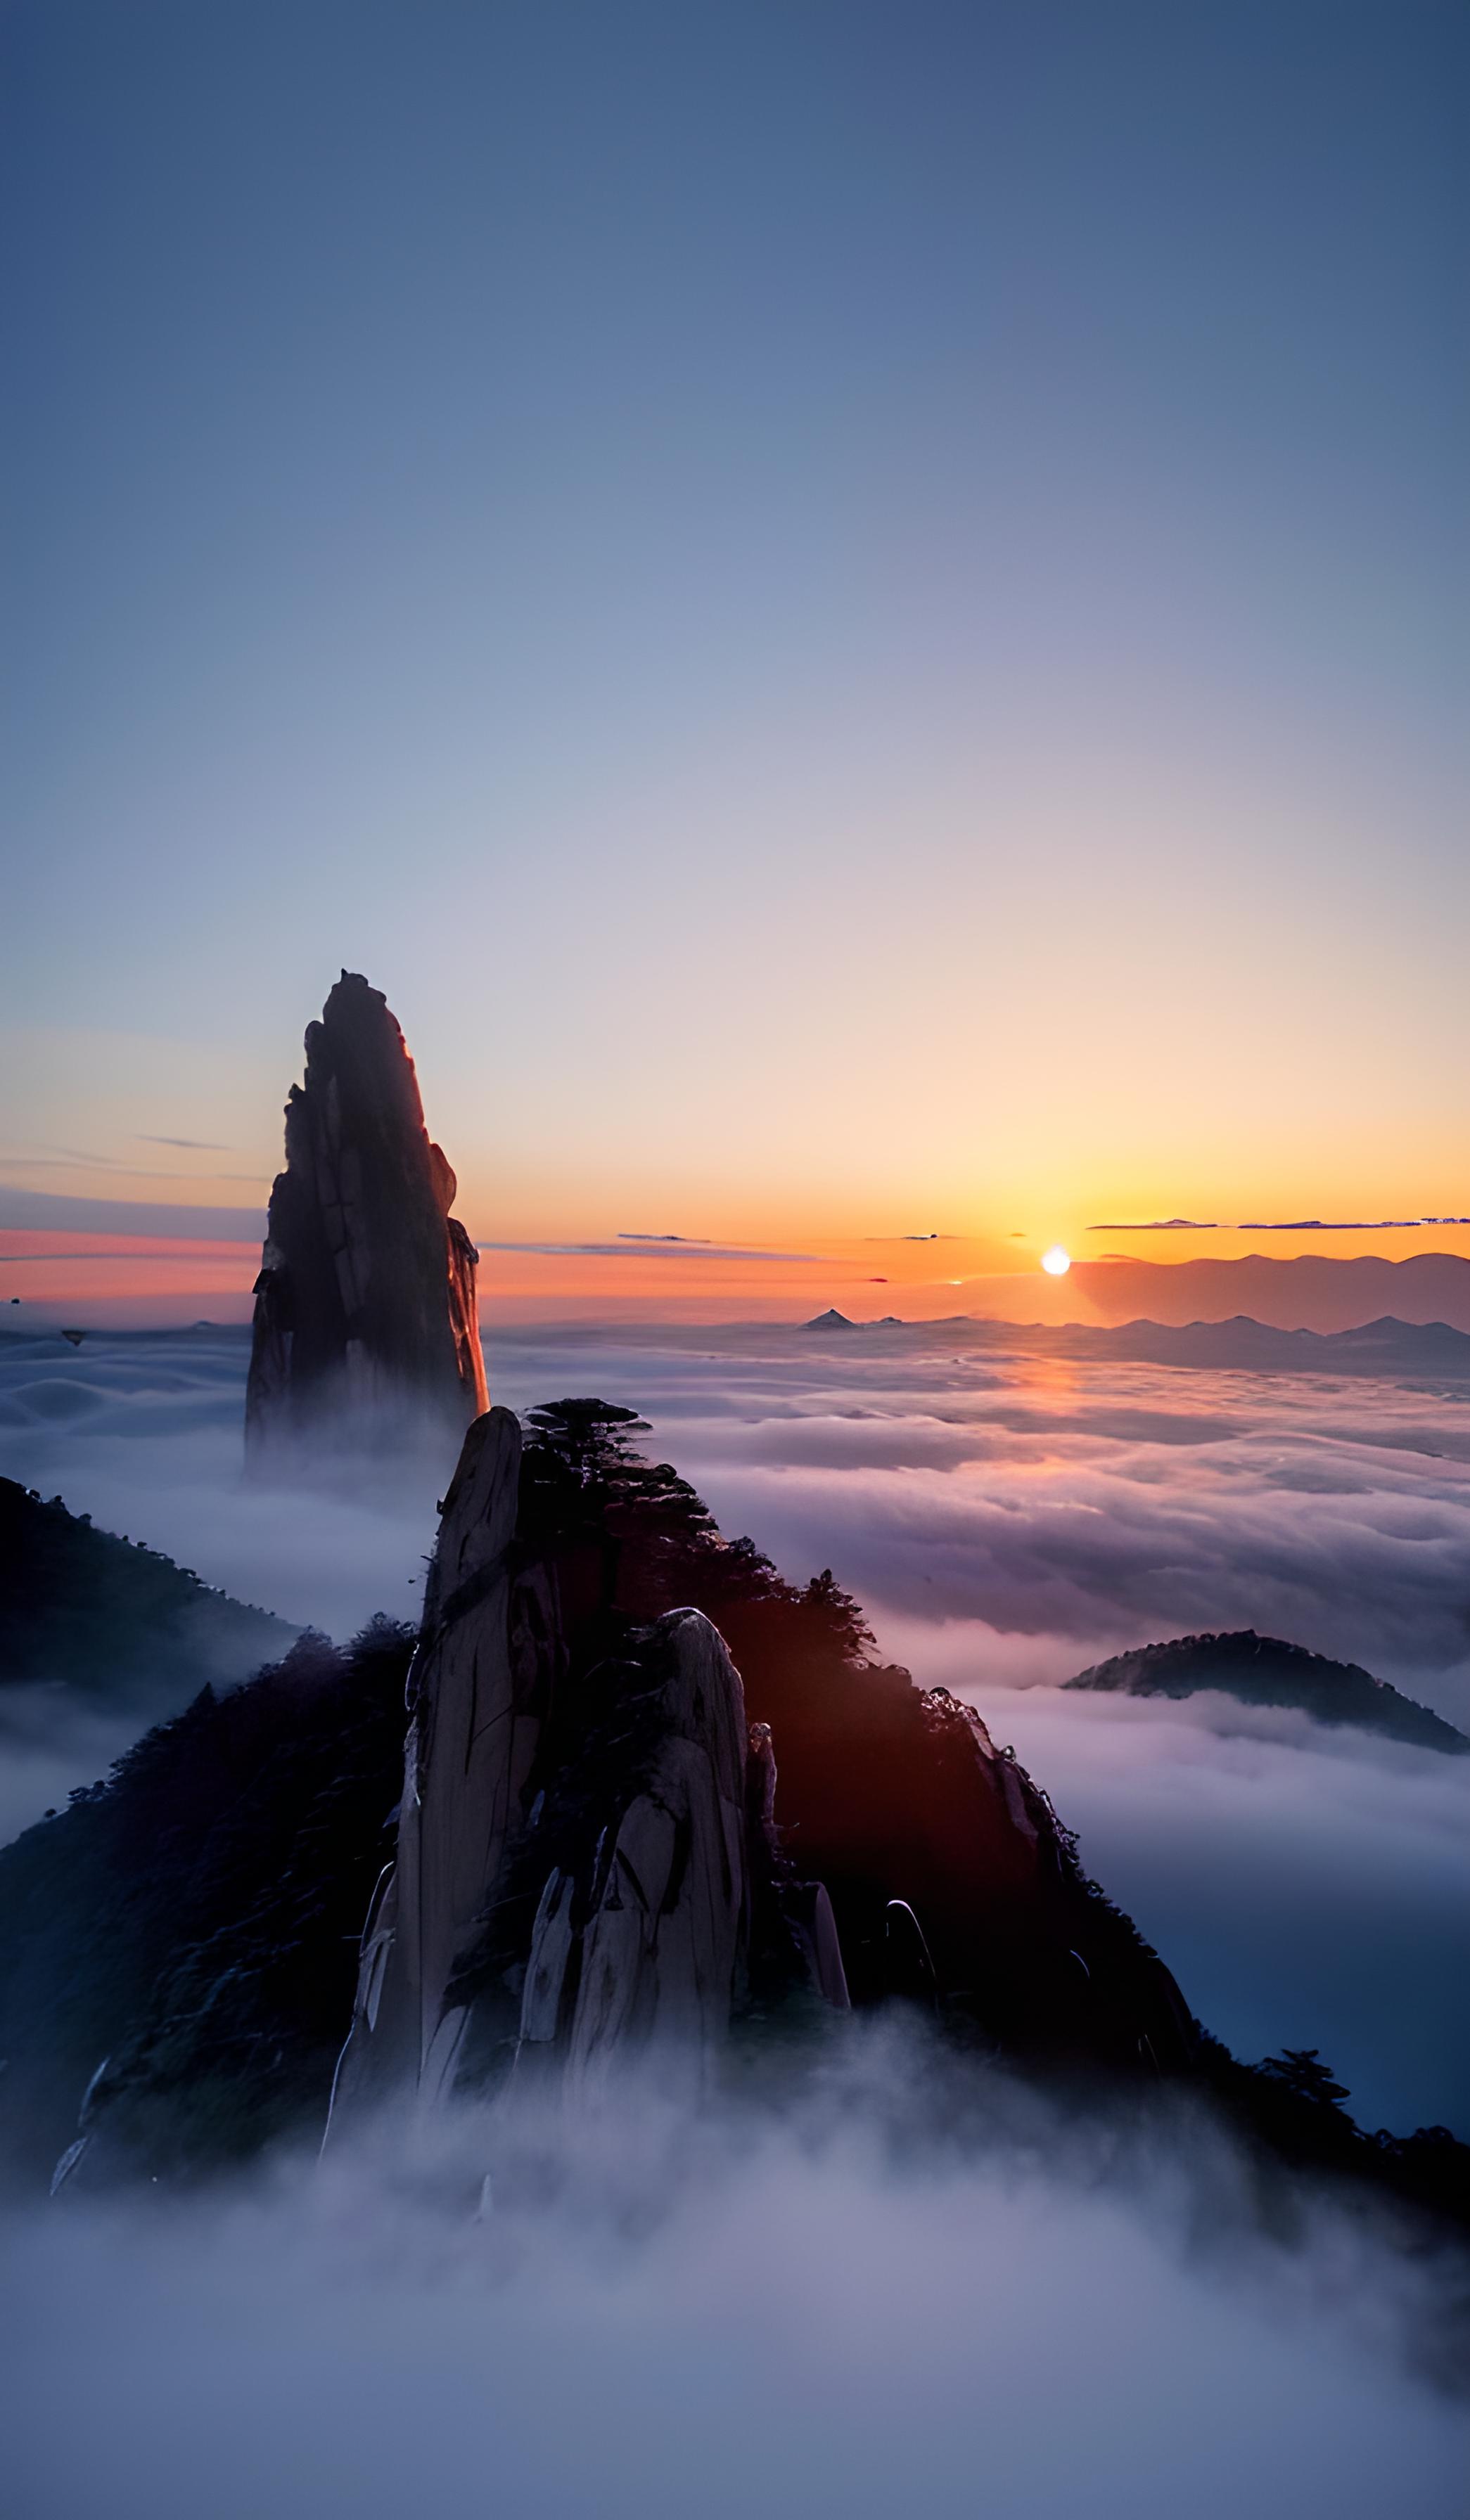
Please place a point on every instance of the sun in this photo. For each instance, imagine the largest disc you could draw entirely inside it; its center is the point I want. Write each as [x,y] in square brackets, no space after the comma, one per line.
[1056,1262]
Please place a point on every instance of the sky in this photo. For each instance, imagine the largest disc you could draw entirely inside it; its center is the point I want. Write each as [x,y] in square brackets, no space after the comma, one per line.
[859,612]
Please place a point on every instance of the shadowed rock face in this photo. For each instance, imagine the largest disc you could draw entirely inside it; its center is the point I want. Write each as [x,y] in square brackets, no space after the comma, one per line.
[365,1302]
[478,1690]
[590,1863]
[641,1948]
[587,1860]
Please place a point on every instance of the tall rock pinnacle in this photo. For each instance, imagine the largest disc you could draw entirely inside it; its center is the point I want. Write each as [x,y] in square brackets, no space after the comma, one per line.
[365,1302]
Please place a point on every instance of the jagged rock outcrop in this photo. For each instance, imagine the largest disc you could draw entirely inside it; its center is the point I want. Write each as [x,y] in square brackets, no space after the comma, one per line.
[588,1855]
[587,1860]
[365,1302]
[639,1948]
[887,1793]
[478,1693]
[178,1954]
[1267,1671]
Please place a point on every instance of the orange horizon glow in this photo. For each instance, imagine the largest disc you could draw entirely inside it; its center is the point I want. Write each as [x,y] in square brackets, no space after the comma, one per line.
[119,1279]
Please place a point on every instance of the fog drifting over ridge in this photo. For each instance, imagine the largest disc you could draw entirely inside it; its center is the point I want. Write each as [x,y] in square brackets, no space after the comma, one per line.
[886,2294]
[856,2304]
[1065,1508]
[1004,1519]
[1069,1507]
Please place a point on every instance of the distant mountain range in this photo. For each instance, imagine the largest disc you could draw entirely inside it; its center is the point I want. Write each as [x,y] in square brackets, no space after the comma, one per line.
[1417,1350]
[1388,1347]
[1266,1670]
[1313,1292]
[113,1619]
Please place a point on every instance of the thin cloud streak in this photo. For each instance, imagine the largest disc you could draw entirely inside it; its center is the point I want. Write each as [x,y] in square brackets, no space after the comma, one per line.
[198,1146]
[648,1246]
[1295,1225]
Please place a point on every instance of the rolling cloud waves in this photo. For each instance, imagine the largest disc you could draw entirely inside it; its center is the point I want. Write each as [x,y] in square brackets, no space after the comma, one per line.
[1005,1521]
[876,2298]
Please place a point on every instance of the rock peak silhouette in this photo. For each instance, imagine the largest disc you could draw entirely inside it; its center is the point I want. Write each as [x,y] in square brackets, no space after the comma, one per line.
[365,1302]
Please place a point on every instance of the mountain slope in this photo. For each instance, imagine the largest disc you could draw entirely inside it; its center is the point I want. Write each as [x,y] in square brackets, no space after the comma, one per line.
[182,1943]
[111,1618]
[1267,1671]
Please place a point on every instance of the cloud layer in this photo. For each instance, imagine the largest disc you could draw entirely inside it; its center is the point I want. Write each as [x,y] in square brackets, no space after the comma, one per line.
[1047,1495]
[1006,1518]
[868,2303]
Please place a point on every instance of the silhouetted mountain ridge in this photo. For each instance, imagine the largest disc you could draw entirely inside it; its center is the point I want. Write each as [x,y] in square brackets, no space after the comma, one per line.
[111,1617]
[1268,1671]
[182,1942]
[1313,1290]
[1391,1348]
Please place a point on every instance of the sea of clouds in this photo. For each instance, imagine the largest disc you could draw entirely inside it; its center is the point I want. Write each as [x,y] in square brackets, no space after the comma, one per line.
[853,2302]
[1006,1516]
[898,2290]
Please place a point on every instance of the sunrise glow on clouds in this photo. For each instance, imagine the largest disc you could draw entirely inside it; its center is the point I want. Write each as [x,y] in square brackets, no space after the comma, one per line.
[1006,1516]
[121,1277]
[855,607]
[836,729]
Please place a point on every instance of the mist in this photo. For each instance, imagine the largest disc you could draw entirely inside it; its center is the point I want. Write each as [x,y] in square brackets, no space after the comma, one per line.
[1004,1520]
[876,2296]
[145,1433]
[1070,1508]
[48,1743]
[1307,1886]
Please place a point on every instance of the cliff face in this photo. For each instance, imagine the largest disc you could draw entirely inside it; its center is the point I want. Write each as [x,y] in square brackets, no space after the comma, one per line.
[478,1693]
[365,1302]
[590,1854]
[586,1860]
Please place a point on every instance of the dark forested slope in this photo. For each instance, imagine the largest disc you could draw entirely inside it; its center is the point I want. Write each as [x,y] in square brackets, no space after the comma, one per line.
[182,1943]
[111,1617]
[1266,1670]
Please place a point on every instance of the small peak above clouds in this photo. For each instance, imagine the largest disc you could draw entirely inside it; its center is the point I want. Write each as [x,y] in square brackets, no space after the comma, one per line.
[1267,1671]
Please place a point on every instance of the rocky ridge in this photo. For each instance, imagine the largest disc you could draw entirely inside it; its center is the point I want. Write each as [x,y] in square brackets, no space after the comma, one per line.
[365,1304]
[589,1847]
[182,1943]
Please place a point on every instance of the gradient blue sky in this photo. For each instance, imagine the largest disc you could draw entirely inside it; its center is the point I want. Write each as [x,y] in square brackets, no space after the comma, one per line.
[859,611]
